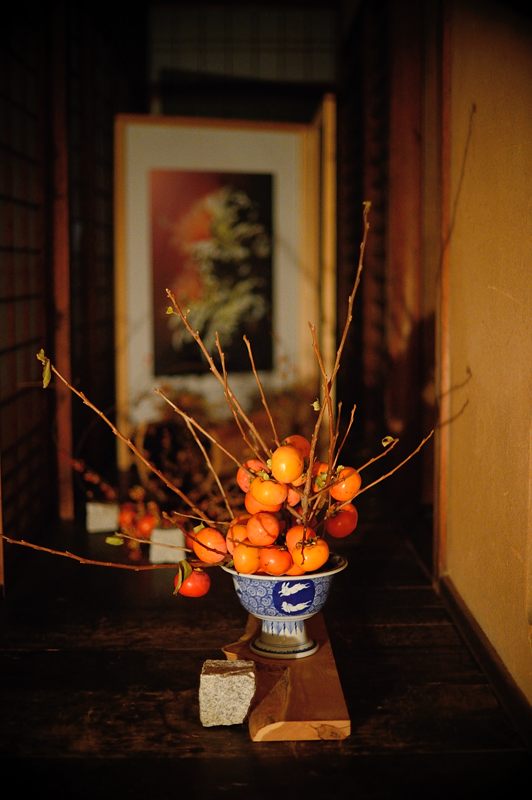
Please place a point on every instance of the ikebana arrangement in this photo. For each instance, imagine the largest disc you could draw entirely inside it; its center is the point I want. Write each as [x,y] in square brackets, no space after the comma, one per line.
[296,495]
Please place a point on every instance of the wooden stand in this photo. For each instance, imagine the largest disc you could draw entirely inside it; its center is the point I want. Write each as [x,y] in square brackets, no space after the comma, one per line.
[296,699]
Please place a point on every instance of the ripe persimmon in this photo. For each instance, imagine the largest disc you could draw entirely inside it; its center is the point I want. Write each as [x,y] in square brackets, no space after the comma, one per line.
[268,492]
[209,545]
[275,560]
[263,528]
[248,471]
[300,442]
[235,534]
[297,535]
[253,506]
[197,584]
[246,558]
[144,525]
[287,463]
[311,555]
[346,484]
[295,569]
[343,522]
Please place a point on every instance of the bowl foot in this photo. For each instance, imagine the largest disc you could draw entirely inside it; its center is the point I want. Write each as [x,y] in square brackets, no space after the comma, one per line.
[283,639]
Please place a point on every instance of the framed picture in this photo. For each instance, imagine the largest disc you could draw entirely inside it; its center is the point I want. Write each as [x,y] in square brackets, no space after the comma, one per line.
[228,216]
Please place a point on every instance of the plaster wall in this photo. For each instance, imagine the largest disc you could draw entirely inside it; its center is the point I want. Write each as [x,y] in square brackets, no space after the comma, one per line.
[489,262]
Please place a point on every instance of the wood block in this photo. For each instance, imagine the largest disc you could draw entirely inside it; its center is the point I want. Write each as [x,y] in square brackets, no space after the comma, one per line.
[296,699]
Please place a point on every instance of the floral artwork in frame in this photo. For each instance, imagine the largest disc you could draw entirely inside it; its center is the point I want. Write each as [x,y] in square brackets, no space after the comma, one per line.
[229,217]
[211,245]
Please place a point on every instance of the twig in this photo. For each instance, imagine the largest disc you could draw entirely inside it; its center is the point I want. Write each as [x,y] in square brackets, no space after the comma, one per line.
[346,434]
[398,466]
[82,560]
[210,467]
[188,419]
[261,391]
[349,315]
[381,455]
[234,411]
[134,449]
[213,368]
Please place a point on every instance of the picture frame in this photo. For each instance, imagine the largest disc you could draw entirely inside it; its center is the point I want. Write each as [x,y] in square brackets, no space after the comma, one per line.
[289,163]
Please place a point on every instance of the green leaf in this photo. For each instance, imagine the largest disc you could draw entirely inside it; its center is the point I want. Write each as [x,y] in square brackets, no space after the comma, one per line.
[183,571]
[198,528]
[387,440]
[46,370]
[169,310]
[316,405]
[114,540]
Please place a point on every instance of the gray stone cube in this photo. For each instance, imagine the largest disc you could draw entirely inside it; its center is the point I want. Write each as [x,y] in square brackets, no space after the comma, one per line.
[226,691]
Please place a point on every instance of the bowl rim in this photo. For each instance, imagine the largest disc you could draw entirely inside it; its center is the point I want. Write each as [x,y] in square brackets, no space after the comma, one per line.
[336,563]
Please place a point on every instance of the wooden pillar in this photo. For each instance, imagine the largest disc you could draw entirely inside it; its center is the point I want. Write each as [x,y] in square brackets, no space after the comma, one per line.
[404,270]
[61,265]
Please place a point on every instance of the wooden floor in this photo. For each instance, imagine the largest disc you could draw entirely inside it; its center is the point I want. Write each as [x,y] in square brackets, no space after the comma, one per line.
[100,676]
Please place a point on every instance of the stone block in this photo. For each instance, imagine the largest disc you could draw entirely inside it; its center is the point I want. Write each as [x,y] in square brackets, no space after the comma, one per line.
[226,691]
[101,517]
[167,546]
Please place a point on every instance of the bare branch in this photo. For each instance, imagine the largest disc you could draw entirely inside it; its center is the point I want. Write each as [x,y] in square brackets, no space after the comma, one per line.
[134,449]
[401,464]
[91,561]
[261,391]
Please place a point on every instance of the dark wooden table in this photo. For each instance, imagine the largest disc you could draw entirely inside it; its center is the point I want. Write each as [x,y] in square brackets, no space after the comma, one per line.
[100,675]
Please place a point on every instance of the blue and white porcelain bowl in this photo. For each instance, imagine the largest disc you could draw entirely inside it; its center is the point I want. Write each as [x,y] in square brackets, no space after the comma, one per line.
[283,604]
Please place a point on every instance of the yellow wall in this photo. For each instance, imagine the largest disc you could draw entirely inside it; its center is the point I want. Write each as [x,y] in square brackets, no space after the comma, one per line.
[487,541]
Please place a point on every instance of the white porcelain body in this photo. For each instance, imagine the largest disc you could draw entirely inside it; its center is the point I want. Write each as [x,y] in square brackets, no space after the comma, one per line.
[283,604]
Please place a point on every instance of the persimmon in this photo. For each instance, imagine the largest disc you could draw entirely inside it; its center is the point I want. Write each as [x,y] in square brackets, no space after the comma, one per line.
[311,555]
[346,484]
[248,471]
[126,515]
[253,506]
[263,528]
[301,443]
[209,545]
[295,569]
[268,492]
[299,534]
[246,558]
[197,584]
[145,524]
[236,533]
[343,522]
[293,497]
[275,560]
[287,463]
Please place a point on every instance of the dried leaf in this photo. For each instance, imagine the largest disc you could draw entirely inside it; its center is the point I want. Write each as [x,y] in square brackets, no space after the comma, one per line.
[316,405]
[387,440]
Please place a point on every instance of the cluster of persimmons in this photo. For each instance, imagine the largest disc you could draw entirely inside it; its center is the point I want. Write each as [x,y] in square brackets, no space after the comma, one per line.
[269,536]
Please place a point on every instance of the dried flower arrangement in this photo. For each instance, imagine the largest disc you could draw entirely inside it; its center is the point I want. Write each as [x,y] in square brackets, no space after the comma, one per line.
[289,499]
